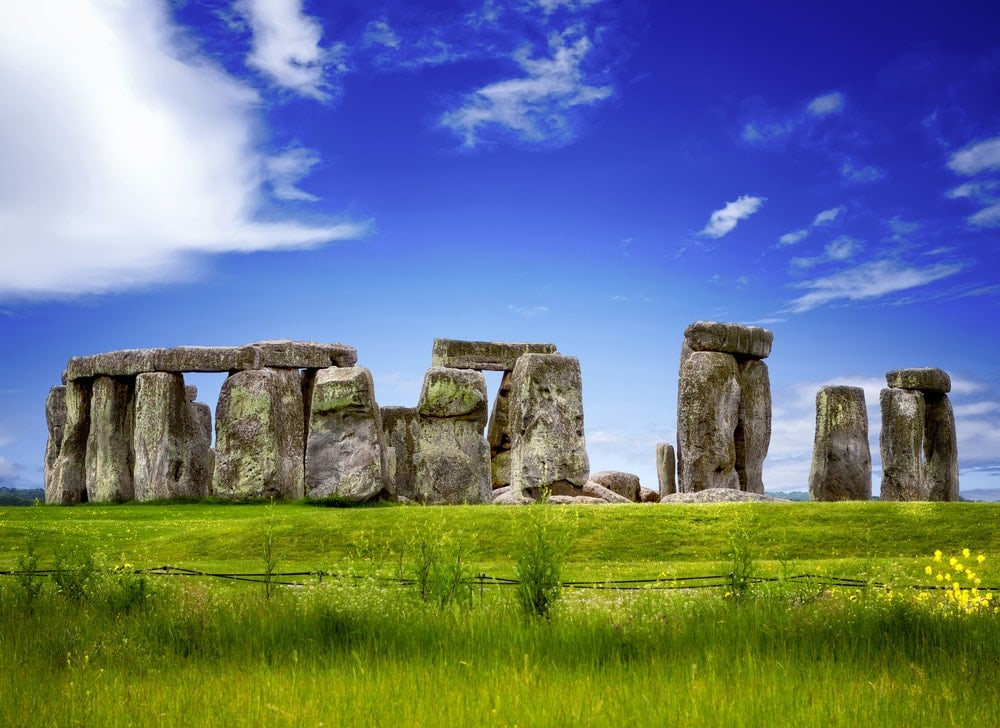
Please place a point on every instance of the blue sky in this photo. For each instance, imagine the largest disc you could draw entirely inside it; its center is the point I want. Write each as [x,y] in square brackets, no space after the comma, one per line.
[592,173]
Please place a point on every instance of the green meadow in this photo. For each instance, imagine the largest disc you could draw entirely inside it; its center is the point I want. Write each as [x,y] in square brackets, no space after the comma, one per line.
[384,622]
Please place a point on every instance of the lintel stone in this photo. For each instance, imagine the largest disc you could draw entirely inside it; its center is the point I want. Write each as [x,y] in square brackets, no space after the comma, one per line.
[261,355]
[750,342]
[927,379]
[493,356]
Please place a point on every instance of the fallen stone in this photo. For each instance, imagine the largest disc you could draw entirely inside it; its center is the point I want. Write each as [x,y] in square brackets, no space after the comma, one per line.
[172,458]
[666,468]
[344,447]
[596,490]
[940,448]
[707,407]
[454,393]
[624,484]
[578,500]
[261,355]
[259,435]
[841,463]
[70,471]
[55,421]
[901,443]
[510,498]
[548,450]
[742,341]
[752,436]
[721,495]
[500,491]
[483,355]
[925,379]
[110,454]
[646,495]
[400,428]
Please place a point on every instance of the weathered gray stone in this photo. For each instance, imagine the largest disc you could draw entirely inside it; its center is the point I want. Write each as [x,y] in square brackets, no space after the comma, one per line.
[720,495]
[707,409]
[926,379]
[452,462]
[345,454]
[454,393]
[666,468]
[510,498]
[901,443]
[498,431]
[940,448]
[172,459]
[110,455]
[841,463]
[624,484]
[55,420]
[259,434]
[401,430]
[500,468]
[575,500]
[753,425]
[596,490]
[647,495]
[261,355]
[483,355]
[70,471]
[742,341]
[546,424]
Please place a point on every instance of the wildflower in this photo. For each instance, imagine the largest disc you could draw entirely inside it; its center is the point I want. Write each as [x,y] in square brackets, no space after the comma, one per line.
[937,555]
[966,553]
[981,558]
[928,570]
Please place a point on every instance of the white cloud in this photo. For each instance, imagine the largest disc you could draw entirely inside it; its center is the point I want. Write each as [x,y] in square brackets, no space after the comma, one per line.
[536,107]
[725,220]
[528,311]
[978,157]
[286,169]
[153,158]
[867,281]
[8,469]
[550,6]
[987,217]
[827,216]
[793,237]
[826,104]
[843,248]
[286,46]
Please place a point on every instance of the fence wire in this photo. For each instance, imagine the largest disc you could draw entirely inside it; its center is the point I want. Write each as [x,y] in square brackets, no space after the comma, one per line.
[662,583]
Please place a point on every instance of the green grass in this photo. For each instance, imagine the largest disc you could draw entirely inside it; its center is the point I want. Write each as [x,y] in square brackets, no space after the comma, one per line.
[187,651]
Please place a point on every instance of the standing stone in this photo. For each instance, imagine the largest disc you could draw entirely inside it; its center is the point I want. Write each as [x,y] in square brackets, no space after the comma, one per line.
[452,462]
[549,451]
[70,471]
[940,448]
[666,468]
[401,431]
[901,443]
[753,425]
[110,455]
[55,420]
[171,457]
[259,434]
[344,447]
[707,411]
[841,464]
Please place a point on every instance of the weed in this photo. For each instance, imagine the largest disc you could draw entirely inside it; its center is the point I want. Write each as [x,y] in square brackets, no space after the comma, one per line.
[538,558]
[28,578]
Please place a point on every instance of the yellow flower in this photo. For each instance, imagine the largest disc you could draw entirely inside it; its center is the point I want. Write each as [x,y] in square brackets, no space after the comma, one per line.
[952,561]
[937,555]
[928,570]
[966,553]
[981,558]
[939,577]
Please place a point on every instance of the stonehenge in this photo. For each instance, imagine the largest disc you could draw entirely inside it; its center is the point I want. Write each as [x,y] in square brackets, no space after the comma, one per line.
[301,419]
[723,408]
[918,442]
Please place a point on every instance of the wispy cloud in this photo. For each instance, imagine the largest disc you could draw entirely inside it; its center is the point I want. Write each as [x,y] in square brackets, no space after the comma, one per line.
[797,236]
[865,174]
[528,311]
[379,33]
[286,46]
[174,167]
[827,216]
[286,169]
[826,104]
[537,107]
[978,157]
[725,220]
[841,249]
[868,281]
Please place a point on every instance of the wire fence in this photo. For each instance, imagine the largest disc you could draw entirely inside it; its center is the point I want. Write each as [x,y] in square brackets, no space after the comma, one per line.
[675,583]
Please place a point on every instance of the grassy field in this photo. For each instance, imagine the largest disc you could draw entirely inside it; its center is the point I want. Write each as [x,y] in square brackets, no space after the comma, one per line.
[94,646]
